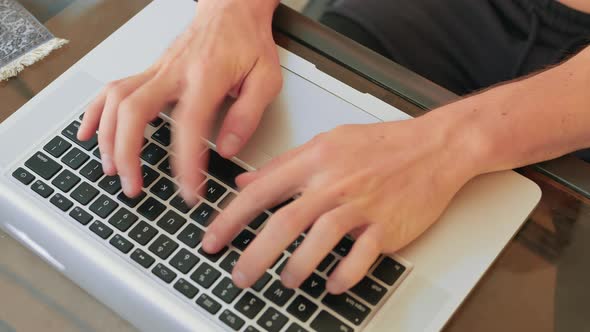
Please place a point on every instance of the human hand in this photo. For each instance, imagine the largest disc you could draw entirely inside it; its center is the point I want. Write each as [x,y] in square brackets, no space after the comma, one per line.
[383,183]
[228,49]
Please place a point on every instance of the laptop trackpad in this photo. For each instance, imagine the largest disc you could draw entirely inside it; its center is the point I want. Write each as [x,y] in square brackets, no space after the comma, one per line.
[301,111]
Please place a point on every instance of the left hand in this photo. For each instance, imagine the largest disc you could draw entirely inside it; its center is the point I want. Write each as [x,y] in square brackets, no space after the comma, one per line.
[383,183]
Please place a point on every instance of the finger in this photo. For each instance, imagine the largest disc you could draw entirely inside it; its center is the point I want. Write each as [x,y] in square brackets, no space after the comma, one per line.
[92,116]
[116,93]
[355,265]
[132,118]
[245,179]
[194,115]
[281,230]
[324,235]
[277,187]
[260,87]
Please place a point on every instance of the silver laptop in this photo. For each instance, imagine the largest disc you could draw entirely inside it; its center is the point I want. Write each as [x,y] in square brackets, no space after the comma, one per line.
[55,200]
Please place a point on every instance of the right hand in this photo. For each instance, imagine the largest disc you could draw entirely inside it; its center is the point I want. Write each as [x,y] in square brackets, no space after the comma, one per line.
[227,50]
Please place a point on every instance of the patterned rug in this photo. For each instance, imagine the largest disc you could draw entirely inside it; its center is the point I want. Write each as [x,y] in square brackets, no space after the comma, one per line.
[23,40]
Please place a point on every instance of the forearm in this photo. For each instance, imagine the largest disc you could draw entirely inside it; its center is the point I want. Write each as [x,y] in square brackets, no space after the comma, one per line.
[262,7]
[527,121]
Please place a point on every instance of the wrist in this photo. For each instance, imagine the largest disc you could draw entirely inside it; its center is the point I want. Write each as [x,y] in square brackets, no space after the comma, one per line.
[460,134]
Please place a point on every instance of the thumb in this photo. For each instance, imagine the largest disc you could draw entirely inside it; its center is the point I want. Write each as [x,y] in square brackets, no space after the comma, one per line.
[260,87]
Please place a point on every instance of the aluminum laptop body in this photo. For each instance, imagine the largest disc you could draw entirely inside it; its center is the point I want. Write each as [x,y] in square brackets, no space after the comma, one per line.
[440,268]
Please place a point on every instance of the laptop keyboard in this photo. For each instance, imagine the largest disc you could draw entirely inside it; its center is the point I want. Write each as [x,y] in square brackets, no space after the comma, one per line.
[159,234]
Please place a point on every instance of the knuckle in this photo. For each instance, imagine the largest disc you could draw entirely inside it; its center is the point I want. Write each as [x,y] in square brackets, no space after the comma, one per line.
[326,223]
[287,219]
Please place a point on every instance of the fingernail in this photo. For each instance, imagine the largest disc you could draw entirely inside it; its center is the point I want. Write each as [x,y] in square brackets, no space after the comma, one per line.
[230,144]
[188,196]
[334,287]
[209,242]
[107,164]
[287,280]
[239,278]
[125,183]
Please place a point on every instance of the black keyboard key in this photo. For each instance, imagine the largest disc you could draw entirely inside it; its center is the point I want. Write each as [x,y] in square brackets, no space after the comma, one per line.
[131,201]
[243,239]
[348,307]
[164,273]
[204,214]
[142,258]
[344,246]
[226,290]
[223,169]
[184,261]
[156,122]
[101,229]
[302,308]
[232,320]
[103,206]
[179,204]
[388,271]
[213,257]
[72,130]
[314,285]
[186,288]
[96,153]
[143,233]
[295,244]
[326,262]
[65,181]
[84,193]
[333,268]
[162,135]
[42,189]
[260,283]
[151,208]
[191,235]
[272,320]
[258,221]
[281,267]
[92,171]
[326,322]
[163,247]
[153,154]
[294,327]
[171,222]
[121,243]
[278,294]
[75,158]
[57,146]
[229,261]
[165,167]
[123,219]
[81,216]
[164,188]
[44,166]
[226,200]
[249,305]
[251,329]
[212,190]
[279,206]
[61,202]
[205,275]
[111,184]
[148,175]
[209,304]
[23,176]
[369,290]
